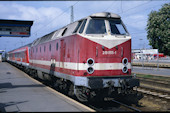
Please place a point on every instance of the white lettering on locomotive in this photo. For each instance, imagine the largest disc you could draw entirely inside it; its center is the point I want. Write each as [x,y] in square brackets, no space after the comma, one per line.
[109,52]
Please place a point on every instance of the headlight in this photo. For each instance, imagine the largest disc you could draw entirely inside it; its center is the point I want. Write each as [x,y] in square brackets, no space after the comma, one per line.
[90,62]
[125,69]
[125,61]
[90,70]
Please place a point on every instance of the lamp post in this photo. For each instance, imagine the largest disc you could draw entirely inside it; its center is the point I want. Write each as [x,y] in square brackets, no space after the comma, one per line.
[141,53]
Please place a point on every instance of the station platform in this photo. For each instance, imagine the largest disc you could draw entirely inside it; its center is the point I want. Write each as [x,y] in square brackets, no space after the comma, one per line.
[21,93]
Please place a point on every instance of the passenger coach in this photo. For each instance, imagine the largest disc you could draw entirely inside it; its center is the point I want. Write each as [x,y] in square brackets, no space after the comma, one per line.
[20,57]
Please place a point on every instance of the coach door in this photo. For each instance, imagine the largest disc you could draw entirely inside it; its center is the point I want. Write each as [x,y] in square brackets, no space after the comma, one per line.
[62,54]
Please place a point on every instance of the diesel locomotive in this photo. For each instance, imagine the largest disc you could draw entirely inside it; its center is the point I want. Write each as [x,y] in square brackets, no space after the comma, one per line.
[89,58]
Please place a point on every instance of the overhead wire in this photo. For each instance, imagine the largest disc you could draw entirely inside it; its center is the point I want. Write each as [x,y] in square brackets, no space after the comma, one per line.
[142,9]
[127,9]
[137,33]
[55,18]
[109,6]
[133,7]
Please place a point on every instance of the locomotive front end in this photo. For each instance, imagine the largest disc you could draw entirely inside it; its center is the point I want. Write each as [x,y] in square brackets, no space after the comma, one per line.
[106,55]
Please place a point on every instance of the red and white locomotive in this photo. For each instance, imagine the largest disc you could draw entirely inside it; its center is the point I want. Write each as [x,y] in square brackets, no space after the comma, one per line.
[88,58]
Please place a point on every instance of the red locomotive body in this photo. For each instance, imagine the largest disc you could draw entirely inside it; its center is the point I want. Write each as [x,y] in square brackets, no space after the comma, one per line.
[88,58]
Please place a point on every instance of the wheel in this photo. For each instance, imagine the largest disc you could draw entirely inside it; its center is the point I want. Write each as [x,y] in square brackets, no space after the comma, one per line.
[71,90]
[82,94]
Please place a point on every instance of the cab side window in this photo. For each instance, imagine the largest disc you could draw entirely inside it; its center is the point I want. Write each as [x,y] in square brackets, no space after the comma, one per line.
[78,26]
[83,25]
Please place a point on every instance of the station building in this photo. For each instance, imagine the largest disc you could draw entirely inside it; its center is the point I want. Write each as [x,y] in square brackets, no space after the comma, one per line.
[147,54]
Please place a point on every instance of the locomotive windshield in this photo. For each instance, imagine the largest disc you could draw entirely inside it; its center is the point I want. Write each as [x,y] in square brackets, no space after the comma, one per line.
[96,26]
[117,27]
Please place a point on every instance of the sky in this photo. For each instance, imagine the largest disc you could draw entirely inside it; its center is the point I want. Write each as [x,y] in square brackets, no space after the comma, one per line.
[52,15]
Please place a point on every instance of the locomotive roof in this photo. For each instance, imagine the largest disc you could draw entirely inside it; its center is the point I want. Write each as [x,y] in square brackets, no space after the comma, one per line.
[73,25]
[105,15]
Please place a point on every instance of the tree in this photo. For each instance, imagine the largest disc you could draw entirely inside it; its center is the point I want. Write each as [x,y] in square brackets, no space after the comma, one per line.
[158,29]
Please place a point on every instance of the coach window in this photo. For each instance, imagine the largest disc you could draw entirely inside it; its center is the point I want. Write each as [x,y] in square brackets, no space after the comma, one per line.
[83,25]
[57,46]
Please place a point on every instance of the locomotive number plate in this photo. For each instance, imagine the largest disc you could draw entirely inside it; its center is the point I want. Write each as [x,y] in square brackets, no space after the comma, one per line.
[109,52]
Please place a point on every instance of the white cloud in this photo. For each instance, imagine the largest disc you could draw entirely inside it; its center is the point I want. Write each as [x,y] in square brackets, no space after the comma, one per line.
[46,19]
[42,16]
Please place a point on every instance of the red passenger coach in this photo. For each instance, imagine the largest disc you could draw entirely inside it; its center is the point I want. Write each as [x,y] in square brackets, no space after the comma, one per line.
[20,56]
[86,57]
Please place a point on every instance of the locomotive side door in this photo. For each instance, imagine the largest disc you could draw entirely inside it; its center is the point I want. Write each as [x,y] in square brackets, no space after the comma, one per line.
[62,54]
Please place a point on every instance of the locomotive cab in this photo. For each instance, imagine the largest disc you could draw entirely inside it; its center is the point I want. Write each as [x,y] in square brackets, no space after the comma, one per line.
[100,24]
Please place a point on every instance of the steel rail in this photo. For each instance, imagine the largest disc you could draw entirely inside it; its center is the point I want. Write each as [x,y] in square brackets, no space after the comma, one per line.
[132,108]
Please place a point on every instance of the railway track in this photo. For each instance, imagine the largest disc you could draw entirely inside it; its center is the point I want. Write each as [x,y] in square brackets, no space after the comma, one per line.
[162,82]
[154,101]
[156,91]
[151,64]
[126,106]
[155,87]
[112,105]
[156,98]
